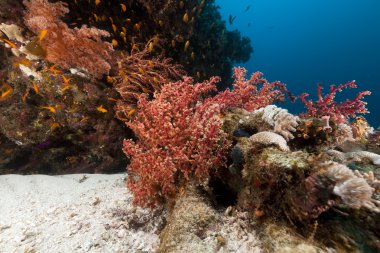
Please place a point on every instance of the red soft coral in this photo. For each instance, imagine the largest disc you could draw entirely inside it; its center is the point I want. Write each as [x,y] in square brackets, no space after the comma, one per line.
[69,48]
[180,134]
[180,137]
[338,112]
[252,93]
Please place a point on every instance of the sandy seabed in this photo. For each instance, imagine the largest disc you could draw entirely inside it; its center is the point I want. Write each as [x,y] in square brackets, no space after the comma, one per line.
[73,213]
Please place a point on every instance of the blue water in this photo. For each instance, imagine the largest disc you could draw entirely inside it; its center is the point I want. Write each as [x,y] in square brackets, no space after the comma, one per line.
[303,42]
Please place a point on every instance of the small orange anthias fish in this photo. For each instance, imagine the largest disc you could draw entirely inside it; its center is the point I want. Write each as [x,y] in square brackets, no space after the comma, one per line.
[112,99]
[54,70]
[42,35]
[35,87]
[50,108]
[131,112]
[101,109]
[5,91]
[10,43]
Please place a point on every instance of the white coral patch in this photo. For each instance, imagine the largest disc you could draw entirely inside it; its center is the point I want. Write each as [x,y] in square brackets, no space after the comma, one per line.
[280,119]
[270,138]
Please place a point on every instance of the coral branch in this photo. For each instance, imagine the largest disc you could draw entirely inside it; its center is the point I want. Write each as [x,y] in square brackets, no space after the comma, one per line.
[326,106]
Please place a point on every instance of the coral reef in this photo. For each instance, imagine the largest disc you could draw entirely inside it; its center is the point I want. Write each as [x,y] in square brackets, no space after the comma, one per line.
[68,67]
[271,174]
[192,33]
[180,133]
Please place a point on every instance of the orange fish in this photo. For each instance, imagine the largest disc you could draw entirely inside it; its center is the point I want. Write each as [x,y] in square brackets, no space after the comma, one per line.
[110,79]
[131,112]
[5,91]
[137,26]
[50,108]
[66,81]
[42,35]
[23,61]
[54,70]
[123,7]
[55,125]
[101,109]
[115,43]
[35,87]
[24,97]
[112,99]
[10,43]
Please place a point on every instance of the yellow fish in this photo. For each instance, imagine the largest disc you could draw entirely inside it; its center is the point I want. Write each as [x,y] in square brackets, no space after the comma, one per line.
[141,71]
[65,88]
[137,26]
[42,35]
[185,18]
[97,2]
[192,55]
[114,28]
[101,109]
[123,7]
[115,43]
[150,47]
[187,44]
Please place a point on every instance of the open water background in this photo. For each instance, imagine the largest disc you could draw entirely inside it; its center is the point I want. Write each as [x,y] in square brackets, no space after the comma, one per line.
[304,42]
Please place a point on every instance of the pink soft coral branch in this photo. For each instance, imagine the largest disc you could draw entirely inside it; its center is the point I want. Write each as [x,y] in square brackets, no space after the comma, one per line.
[326,106]
[252,93]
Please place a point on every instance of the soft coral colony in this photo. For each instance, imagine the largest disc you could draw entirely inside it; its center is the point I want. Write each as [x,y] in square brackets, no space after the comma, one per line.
[77,76]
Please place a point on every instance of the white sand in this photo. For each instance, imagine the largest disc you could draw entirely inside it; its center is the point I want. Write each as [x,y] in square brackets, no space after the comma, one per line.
[73,213]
